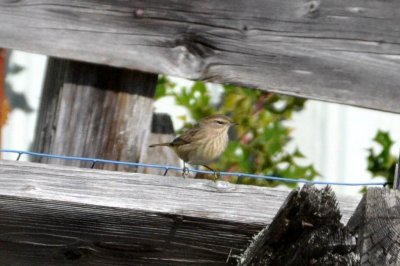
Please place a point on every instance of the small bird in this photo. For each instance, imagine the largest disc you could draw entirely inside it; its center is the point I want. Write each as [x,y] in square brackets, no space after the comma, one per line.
[203,143]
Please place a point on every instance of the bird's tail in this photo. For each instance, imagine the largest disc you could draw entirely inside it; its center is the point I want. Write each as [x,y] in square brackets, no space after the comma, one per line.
[159,144]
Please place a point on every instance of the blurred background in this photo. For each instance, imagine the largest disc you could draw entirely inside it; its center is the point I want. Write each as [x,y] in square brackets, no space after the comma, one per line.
[324,141]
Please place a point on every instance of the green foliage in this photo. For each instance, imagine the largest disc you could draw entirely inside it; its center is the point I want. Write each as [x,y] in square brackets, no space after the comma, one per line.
[163,84]
[258,143]
[382,163]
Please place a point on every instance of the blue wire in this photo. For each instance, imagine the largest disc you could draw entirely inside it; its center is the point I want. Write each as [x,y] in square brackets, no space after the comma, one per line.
[167,167]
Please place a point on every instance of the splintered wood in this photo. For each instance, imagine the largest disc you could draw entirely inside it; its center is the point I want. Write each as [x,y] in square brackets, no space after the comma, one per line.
[306,231]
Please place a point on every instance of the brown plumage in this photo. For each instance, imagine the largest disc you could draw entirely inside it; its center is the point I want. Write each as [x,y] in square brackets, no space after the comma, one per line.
[204,142]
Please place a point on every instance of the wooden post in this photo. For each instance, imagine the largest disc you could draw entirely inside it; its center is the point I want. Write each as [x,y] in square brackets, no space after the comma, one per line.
[305,231]
[94,111]
[396,180]
[162,130]
[376,221]
[3,100]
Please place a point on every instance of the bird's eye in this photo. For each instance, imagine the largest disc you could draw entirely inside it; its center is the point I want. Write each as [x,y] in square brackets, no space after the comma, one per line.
[219,122]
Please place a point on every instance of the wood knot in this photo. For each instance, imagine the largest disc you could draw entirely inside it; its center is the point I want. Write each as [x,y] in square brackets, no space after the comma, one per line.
[190,52]
[244,28]
[313,8]
[196,44]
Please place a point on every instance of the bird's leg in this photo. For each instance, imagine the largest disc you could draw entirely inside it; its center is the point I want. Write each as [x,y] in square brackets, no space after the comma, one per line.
[186,171]
[217,175]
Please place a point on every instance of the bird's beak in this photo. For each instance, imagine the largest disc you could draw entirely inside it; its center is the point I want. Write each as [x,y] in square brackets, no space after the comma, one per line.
[233,124]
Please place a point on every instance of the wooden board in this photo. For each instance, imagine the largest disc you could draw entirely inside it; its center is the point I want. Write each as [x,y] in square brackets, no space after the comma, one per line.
[56,214]
[340,51]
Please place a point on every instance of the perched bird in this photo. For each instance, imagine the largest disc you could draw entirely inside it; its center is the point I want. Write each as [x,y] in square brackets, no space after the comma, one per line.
[203,143]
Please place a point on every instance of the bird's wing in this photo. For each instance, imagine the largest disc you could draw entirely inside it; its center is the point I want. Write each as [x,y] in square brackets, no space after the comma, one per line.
[185,138]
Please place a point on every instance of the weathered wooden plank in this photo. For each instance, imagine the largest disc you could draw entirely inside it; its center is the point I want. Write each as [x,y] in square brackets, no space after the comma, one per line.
[340,51]
[214,200]
[377,222]
[174,195]
[48,232]
[91,110]
[97,217]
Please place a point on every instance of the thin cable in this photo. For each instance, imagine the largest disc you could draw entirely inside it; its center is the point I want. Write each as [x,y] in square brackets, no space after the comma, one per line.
[167,167]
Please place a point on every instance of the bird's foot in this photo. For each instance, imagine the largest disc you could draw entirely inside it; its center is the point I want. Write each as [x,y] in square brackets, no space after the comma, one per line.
[185,172]
[217,176]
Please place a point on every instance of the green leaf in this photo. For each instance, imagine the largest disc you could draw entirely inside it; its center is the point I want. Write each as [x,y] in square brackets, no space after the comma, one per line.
[382,164]
[164,87]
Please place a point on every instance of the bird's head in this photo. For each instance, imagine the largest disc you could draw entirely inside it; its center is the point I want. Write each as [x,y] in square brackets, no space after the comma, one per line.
[217,122]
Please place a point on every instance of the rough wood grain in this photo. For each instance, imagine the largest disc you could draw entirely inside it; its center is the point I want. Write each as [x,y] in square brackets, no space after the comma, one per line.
[94,217]
[4,107]
[306,231]
[377,222]
[42,232]
[96,111]
[340,51]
